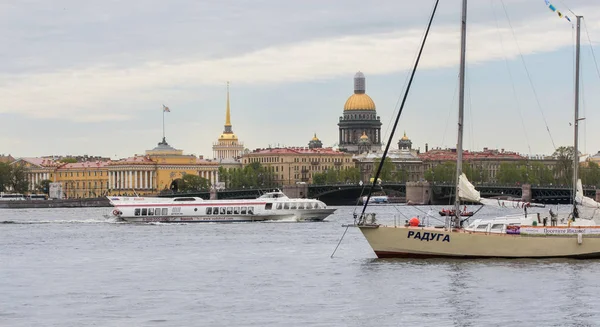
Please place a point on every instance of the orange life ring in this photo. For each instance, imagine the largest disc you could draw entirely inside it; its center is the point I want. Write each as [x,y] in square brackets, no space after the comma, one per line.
[116,212]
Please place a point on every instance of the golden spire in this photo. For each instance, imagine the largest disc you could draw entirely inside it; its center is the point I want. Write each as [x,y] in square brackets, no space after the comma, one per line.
[227,114]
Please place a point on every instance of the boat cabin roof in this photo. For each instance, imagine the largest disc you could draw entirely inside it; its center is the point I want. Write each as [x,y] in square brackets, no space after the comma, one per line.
[273,195]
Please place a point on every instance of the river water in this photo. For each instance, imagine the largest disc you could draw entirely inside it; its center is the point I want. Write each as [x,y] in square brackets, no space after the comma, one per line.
[71,267]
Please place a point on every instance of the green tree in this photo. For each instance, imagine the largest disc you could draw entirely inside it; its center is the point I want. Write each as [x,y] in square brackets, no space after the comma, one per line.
[5,176]
[191,183]
[510,173]
[44,186]
[68,160]
[564,165]
[319,178]
[590,175]
[350,175]
[444,172]
[387,171]
[19,181]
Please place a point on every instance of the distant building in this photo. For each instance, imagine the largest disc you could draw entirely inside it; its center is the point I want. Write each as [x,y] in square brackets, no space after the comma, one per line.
[595,158]
[408,167]
[315,143]
[359,127]
[6,158]
[487,162]
[151,173]
[228,148]
[292,165]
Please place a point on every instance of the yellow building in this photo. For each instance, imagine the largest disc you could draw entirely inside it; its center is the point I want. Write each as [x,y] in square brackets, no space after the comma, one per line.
[157,171]
[142,175]
[227,148]
[293,165]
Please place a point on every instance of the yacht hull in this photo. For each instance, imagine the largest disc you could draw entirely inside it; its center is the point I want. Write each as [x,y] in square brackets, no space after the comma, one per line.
[406,242]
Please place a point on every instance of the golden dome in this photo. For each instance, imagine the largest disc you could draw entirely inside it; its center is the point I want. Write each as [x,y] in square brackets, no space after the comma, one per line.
[228,136]
[315,138]
[404,138]
[364,136]
[359,101]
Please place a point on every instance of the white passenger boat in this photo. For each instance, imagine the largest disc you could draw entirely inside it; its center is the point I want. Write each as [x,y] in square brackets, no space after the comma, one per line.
[269,206]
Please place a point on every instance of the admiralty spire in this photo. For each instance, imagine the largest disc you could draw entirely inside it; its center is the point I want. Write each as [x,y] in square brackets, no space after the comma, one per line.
[228,147]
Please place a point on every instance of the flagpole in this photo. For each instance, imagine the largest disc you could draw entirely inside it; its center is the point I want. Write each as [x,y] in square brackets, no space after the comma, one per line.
[163,111]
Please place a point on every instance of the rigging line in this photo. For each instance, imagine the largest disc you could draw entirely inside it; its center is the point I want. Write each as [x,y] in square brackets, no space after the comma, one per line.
[396,106]
[412,75]
[528,75]
[450,111]
[512,82]
[569,9]
[470,107]
[587,32]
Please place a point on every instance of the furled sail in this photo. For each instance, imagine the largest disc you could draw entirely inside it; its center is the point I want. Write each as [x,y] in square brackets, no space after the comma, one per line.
[589,208]
[467,192]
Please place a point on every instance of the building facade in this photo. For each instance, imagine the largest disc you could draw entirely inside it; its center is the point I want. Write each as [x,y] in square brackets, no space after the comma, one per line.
[297,165]
[359,126]
[147,174]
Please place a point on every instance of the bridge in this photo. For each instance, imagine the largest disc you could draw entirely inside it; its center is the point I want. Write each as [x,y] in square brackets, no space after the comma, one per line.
[347,194]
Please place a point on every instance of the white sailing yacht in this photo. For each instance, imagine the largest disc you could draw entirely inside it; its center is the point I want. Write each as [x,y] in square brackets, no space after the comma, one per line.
[521,236]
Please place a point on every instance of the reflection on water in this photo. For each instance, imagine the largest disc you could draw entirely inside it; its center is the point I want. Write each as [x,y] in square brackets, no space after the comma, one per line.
[71,267]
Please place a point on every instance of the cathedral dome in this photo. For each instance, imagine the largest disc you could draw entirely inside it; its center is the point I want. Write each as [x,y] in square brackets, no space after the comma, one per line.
[359,101]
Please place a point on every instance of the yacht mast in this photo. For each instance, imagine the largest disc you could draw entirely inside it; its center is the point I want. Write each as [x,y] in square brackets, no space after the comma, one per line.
[461,106]
[576,121]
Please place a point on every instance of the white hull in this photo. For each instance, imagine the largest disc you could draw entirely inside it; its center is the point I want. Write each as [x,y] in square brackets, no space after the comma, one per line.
[271,206]
[424,242]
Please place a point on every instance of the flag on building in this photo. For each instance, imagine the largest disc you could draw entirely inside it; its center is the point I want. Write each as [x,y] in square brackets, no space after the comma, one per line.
[166,109]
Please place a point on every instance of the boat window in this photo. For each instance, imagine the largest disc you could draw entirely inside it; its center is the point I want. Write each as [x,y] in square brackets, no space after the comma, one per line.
[279,206]
[184,199]
[293,206]
[236,210]
[497,226]
[165,211]
[215,211]
[222,210]
[300,205]
[137,212]
[229,210]
[286,205]
[250,210]
[209,211]
[482,226]
[144,212]
[150,212]
[268,206]
[243,211]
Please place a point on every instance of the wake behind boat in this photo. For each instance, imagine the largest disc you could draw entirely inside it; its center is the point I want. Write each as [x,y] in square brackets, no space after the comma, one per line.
[269,206]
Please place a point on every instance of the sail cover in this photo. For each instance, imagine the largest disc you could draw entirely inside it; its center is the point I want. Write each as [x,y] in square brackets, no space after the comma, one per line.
[589,209]
[467,192]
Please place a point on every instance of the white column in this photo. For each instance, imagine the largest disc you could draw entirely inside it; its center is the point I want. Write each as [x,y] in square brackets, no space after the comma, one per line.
[120,181]
[216,176]
[145,182]
[135,178]
[130,179]
[151,180]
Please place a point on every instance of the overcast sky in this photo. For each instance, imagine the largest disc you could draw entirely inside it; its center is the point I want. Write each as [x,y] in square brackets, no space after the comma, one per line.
[90,77]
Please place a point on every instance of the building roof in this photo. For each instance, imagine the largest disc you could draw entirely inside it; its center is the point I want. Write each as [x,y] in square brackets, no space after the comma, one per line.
[43,162]
[297,151]
[84,165]
[450,155]
[7,159]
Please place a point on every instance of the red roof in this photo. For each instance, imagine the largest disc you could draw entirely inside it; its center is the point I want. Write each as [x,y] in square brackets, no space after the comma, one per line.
[298,150]
[450,155]
[83,165]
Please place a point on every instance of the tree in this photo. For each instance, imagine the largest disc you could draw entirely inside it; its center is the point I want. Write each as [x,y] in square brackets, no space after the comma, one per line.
[387,170]
[590,175]
[444,172]
[5,176]
[19,181]
[564,165]
[191,183]
[68,160]
[511,173]
[44,186]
